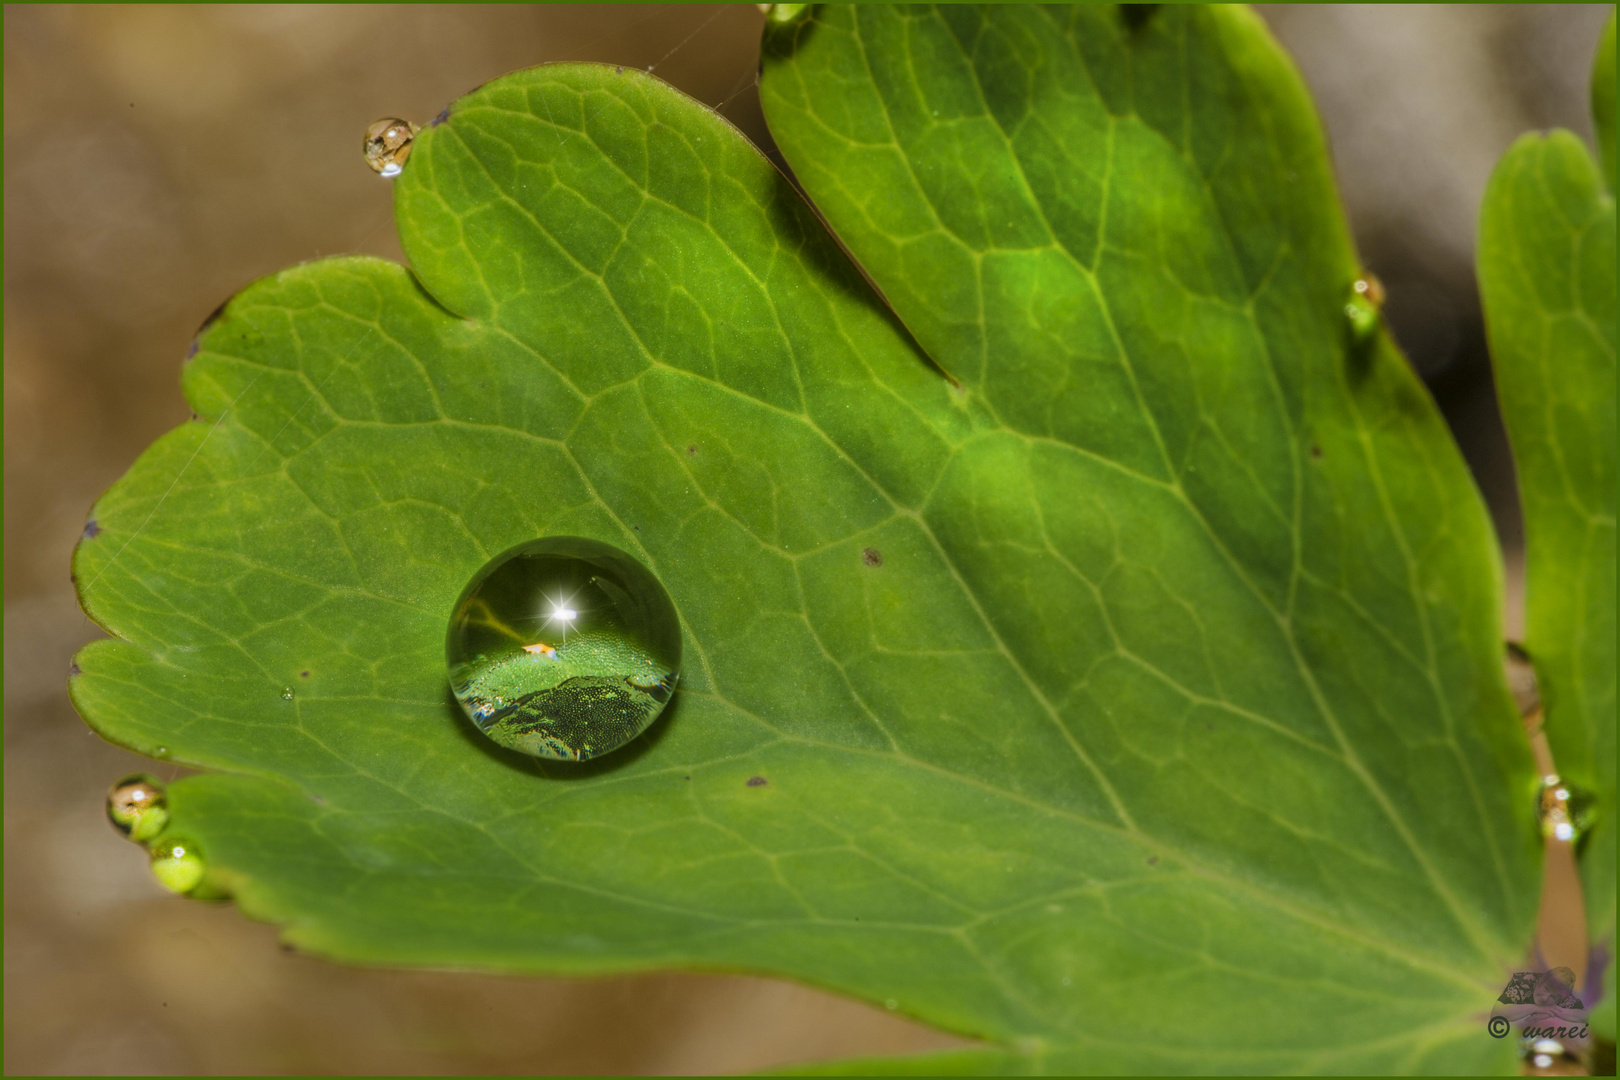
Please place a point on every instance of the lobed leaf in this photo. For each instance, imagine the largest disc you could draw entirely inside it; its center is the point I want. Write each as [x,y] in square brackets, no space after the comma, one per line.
[1130,699]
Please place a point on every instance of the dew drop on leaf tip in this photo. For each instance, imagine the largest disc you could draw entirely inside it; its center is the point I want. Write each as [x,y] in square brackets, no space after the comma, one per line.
[1365,303]
[137,807]
[563,648]
[177,865]
[387,144]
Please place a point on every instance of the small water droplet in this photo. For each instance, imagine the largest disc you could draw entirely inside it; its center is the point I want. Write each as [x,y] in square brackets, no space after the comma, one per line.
[387,144]
[1565,810]
[286,693]
[161,751]
[137,807]
[784,14]
[891,1004]
[1366,299]
[563,648]
[177,865]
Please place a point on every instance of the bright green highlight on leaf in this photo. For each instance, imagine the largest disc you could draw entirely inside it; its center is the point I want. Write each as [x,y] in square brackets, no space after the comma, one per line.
[1547,279]
[1131,700]
[563,648]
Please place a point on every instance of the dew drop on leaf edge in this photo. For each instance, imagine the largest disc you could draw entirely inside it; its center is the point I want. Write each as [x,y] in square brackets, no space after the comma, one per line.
[177,865]
[563,648]
[137,807]
[387,144]
[1363,307]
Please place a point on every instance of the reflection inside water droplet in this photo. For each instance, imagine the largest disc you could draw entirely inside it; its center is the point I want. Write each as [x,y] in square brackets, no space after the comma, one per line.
[137,807]
[563,648]
[388,144]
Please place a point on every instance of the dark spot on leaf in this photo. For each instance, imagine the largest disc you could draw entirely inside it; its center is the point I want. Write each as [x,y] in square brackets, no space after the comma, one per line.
[872,557]
[756,781]
[1136,16]
[1153,860]
[690,450]
[618,71]
[441,118]
[191,350]
[686,778]
[303,674]
[91,529]
[213,317]
[73,669]
[1316,451]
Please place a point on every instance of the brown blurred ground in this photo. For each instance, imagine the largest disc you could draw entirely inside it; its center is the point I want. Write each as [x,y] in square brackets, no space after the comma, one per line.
[158,158]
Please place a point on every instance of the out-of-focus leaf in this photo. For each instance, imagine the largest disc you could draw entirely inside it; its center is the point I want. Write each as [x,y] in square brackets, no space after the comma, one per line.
[1547,279]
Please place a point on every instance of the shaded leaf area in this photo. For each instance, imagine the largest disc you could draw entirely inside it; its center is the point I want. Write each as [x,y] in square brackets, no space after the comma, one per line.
[1547,279]
[1141,691]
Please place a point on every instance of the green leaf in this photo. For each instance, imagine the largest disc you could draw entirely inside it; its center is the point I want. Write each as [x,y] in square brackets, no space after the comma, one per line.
[1547,279]
[1133,702]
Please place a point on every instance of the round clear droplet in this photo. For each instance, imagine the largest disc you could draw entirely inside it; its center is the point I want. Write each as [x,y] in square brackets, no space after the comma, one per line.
[137,807]
[563,648]
[177,865]
[388,144]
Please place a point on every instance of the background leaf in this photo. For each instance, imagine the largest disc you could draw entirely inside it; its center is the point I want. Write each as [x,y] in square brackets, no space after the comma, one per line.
[1547,278]
[1054,731]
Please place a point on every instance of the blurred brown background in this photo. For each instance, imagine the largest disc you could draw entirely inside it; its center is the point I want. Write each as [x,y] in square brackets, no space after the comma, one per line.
[158,158]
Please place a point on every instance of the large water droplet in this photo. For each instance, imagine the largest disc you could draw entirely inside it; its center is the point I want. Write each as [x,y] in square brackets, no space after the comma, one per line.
[177,865]
[136,806]
[563,648]
[388,144]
